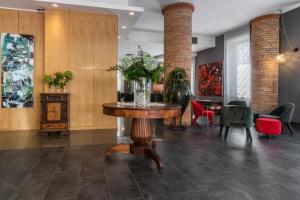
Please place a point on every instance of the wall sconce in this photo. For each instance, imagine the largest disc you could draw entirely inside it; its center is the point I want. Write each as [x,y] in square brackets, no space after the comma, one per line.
[281,57]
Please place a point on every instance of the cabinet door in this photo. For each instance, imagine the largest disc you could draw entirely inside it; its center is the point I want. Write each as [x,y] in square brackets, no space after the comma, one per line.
[53,111]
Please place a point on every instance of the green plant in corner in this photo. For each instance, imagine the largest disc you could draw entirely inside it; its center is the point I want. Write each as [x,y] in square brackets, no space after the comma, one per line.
[178,91]
[177,77]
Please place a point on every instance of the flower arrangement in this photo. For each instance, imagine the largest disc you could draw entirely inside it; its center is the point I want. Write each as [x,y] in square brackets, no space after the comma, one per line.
[141,66]
[59,80]
[142,70]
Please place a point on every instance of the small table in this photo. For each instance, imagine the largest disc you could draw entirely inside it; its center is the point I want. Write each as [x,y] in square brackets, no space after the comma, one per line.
[141,134]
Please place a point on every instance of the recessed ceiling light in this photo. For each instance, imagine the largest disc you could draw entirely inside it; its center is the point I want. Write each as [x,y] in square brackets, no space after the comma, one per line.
[124,27]
[55,5]
[119,37]
[131,13]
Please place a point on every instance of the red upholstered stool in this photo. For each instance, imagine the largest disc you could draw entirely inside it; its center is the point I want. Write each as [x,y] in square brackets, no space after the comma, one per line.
[268,126]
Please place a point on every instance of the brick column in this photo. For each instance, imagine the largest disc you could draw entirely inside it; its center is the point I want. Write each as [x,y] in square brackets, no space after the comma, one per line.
[264,49]
[178,40]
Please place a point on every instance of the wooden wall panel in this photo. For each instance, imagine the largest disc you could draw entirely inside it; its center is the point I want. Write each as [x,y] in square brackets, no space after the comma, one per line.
[57,30]
[9,21]
[92,40]
[86,43]
[105,84]
[32,23]
[82,40]
[82,99]
[106,42]
[106,51]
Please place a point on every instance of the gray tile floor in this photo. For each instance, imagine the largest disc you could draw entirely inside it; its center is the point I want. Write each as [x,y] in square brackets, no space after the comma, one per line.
[198,166]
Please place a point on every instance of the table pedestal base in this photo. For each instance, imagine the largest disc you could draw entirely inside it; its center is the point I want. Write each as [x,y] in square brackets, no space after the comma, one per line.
[142,145]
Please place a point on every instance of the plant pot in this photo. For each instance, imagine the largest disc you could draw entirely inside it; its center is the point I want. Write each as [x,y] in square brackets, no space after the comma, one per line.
[51,89]
[179,93]
[142,92]
[58,90]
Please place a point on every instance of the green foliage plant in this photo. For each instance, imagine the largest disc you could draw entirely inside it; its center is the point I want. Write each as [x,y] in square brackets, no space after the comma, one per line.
[59,80]
[141,66]
[176,77]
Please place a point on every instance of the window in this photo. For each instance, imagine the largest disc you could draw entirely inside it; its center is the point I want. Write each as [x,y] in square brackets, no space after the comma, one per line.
[243,70]
[237,65]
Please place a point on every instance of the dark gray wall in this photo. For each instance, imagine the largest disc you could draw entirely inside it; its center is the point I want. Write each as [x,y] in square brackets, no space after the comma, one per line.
[289,71]
[209,56]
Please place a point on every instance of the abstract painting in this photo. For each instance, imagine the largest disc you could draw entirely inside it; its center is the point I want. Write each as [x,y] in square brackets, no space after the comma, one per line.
[210,79]
[17,61]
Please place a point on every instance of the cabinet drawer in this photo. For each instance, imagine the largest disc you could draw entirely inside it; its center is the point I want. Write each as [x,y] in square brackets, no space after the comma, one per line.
[54,126]
[54,97]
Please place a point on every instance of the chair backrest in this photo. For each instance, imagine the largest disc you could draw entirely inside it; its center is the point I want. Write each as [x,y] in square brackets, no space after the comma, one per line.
[237,103]
[285,112]
[197,107]
[237,116]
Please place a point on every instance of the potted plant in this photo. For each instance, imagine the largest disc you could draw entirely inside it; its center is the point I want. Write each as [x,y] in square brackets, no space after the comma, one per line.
[178,91]
[142,69]
[49,81]
[59,81]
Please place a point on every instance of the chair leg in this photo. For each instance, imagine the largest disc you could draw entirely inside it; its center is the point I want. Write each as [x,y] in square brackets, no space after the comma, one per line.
[221,130]
[211,121]
[249,137]
[226,132]
[194,122]
[290,128]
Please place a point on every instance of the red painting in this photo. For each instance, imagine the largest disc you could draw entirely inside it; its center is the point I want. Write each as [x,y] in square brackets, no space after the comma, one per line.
[210,79]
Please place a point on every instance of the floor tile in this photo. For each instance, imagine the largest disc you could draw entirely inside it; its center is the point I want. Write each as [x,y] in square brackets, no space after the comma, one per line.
[153,187]
[193,196]
[123,186]
[177,181]
[93,188]
[63,186]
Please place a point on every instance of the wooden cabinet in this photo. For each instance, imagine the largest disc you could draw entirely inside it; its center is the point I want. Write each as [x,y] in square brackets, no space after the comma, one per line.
[55,109]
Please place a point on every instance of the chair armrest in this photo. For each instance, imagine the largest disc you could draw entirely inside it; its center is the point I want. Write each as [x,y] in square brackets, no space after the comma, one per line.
[269,116]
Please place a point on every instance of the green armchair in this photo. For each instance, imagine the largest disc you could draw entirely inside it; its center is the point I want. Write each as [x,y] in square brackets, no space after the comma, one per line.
[232,103]
[237,116]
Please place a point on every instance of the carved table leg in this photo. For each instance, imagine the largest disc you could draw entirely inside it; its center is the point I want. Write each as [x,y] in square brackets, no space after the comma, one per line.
[141,131]
[150,153]
[122,148]
[142,145]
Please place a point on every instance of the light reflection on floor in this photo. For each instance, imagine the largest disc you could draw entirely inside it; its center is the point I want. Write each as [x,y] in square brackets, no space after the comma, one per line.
[32,139]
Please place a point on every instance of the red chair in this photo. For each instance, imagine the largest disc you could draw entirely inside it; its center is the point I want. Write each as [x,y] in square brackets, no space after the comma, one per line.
[199,110]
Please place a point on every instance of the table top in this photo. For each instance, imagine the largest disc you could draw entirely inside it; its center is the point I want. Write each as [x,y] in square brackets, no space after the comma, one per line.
[153,111]
[209,101]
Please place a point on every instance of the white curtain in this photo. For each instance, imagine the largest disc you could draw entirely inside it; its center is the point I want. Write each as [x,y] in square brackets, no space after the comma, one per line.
[237,65]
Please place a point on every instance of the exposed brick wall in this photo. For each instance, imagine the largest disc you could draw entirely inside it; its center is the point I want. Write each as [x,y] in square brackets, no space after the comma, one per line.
[265,72]
[178,41]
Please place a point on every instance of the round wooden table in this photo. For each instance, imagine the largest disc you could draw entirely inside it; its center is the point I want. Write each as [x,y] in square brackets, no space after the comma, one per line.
[141,133]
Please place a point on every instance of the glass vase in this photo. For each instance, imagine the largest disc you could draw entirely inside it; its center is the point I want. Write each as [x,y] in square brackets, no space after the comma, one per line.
[57,90]
[142,92]
[51,89]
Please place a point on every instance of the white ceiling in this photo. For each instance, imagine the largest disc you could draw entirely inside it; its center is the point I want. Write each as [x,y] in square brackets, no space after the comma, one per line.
[212,17]
[145,28]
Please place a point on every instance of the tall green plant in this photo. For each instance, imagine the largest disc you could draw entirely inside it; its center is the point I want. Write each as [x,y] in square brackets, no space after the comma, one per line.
[175,78]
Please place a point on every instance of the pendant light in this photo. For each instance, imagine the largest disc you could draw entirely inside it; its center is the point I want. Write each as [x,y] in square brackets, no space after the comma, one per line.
[281,57]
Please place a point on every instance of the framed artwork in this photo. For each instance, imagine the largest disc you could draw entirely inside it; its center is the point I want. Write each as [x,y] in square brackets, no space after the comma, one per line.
[210,79]
[17,61]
